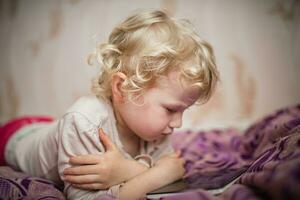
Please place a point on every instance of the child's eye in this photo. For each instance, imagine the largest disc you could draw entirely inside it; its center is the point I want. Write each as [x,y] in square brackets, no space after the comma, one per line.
[170,110]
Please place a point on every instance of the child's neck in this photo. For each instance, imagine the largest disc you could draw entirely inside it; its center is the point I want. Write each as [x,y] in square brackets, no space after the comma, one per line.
[130,141]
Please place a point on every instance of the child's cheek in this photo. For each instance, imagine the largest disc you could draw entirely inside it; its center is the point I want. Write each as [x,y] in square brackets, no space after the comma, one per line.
[161,122]
[155,122]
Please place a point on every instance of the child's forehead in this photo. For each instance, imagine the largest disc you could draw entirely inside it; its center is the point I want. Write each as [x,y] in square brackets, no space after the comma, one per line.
[176,92]
[172,89]
[173,78]
[175,83]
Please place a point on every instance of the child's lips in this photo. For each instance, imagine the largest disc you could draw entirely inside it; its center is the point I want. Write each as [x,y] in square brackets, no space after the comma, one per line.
[168,133]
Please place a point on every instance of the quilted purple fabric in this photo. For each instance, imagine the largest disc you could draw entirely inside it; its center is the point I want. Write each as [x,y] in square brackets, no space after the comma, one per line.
[264,162]
[212,157]
[16,185]
[266,157]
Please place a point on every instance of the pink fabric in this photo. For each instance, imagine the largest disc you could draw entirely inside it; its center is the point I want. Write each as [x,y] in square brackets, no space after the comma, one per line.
[8,129]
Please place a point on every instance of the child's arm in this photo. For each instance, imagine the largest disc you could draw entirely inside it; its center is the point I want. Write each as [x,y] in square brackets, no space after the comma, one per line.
[167,170]
[78,136]
[102,171]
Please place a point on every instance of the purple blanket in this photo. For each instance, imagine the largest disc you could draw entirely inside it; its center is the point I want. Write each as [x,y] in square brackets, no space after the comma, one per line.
[263,162]
[266,159]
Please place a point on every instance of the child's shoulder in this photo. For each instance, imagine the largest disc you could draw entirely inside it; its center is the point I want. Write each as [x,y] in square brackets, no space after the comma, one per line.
[91,107]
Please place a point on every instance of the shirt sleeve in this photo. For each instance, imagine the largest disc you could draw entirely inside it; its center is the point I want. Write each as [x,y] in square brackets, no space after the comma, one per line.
[78,136]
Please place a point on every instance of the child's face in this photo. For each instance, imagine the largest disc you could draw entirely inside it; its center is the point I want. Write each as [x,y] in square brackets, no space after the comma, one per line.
[162,109]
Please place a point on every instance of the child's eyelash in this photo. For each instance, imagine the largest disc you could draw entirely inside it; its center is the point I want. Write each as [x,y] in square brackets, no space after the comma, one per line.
[170,110]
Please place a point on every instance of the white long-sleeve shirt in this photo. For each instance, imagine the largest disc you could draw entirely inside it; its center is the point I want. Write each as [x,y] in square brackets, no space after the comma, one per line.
[44,149]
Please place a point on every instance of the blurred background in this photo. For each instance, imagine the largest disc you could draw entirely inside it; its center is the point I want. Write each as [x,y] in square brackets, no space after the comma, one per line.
[44,47]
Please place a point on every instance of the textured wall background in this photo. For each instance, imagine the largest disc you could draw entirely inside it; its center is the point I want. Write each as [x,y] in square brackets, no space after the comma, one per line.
[44,45]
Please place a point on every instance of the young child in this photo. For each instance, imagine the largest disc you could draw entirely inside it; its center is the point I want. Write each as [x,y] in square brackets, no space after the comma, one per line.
[152,69]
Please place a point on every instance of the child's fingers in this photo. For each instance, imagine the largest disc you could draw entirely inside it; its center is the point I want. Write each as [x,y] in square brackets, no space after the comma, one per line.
[82,170]
[177,153]
[91,186]
[85,159]
[108,144]
[83,179]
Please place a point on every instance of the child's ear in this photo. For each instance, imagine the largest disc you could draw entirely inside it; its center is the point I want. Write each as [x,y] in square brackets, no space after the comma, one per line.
[116,86]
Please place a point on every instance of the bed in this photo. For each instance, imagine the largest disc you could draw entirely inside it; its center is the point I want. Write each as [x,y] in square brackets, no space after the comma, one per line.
[261,162]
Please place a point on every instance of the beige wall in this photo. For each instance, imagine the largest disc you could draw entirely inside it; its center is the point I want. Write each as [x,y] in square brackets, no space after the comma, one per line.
[44,45]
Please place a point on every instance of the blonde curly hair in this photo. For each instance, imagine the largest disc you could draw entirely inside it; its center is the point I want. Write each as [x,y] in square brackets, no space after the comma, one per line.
[149,44]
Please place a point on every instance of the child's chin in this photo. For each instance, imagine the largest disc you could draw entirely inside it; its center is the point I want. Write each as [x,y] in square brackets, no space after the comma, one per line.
[157,138]
[151,139]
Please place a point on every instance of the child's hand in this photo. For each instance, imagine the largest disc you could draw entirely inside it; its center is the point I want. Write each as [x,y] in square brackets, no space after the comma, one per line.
[172,167]
[97,171]
[166,170]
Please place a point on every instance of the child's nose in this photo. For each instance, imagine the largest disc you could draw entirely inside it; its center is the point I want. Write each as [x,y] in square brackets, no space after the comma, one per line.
[176,122]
